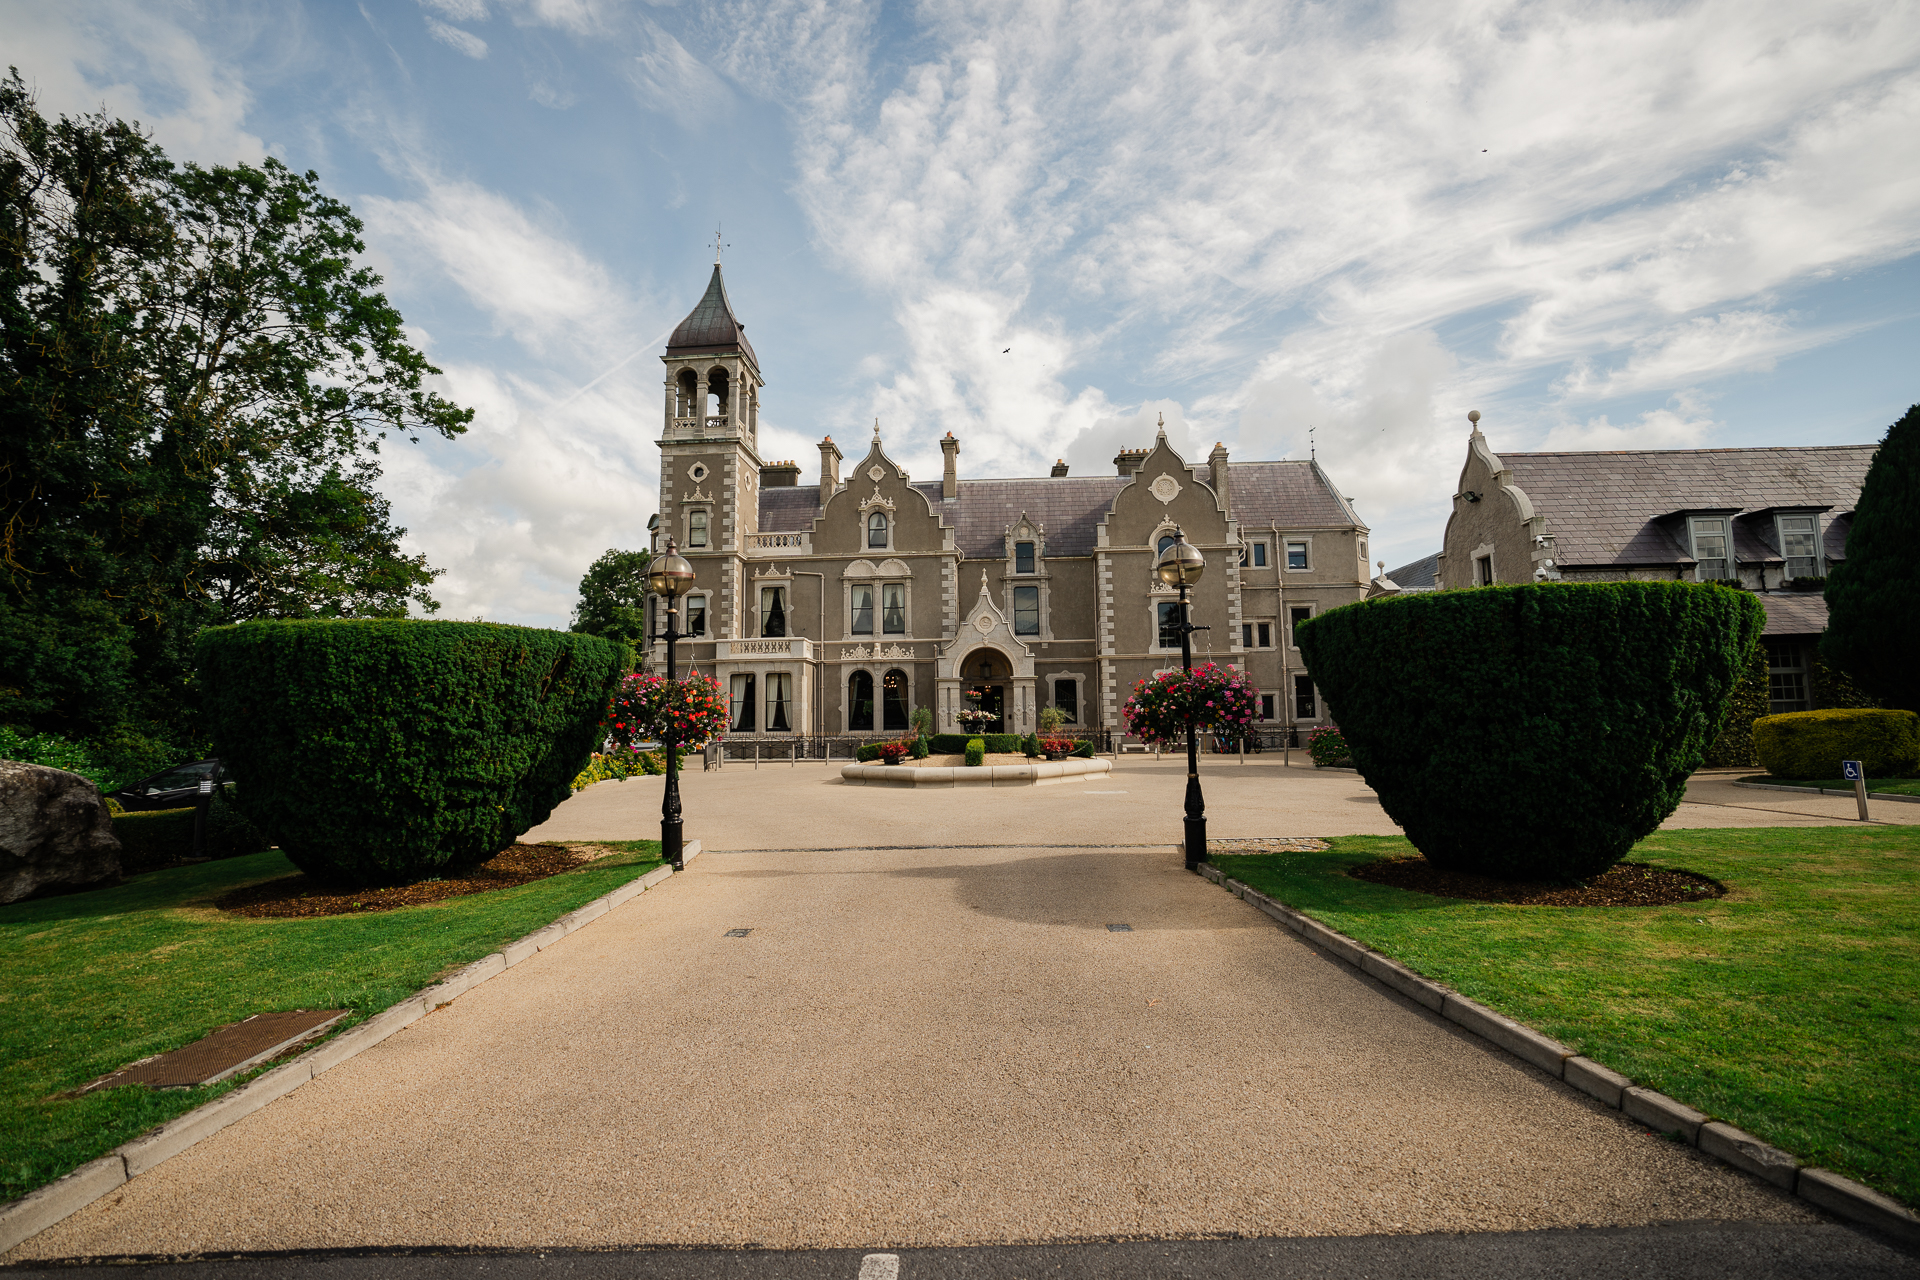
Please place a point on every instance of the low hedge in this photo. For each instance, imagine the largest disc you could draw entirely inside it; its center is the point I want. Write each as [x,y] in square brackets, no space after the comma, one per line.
[1532,731]
[383,751]
[1811,744]
[154,838]
[948,744]
[1002,744]
[866,751]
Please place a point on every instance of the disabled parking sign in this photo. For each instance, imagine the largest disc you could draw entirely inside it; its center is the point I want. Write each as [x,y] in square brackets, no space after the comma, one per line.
[1851,770]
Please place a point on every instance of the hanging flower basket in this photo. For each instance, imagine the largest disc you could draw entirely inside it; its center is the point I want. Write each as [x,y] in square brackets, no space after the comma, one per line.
[1223,701]
[692,711]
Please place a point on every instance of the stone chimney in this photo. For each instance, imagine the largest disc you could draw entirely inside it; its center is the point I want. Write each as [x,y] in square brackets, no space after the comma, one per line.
[780,475]
[1128,461]
[829,469]
[1059,467]
[1217,462]
[950,478]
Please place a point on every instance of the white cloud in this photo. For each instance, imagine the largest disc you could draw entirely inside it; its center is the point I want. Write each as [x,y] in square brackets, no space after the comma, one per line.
[668,79]
[1686,425]
[458,10]
[454,38]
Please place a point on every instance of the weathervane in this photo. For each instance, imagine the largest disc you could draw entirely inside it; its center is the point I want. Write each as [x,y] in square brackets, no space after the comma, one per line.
[718,244]
[1310,453]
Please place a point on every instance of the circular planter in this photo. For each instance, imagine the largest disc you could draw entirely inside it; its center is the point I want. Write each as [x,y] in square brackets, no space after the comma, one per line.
[1035,773]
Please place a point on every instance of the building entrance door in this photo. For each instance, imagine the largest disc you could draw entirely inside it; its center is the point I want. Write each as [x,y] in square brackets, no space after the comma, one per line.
[993,700]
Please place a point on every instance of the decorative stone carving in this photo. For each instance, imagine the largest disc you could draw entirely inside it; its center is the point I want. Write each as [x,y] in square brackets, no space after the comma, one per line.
[876,473]
[55,832]
[876,501]
[895,651]
[697,496]
[984,623]
[1164,487]
[697,472]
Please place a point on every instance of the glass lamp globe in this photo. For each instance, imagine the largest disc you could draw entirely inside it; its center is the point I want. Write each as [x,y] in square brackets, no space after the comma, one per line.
[1181,564]
[670,575]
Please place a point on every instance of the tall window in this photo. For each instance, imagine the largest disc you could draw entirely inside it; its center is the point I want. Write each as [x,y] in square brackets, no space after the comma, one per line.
[697,529]
[779,699]
[1266,706]
[1169,618]
[1303,700]
[1295,616]
[893,702]
[1786,677]
[877,530]
[1023,557]
[1066,696]
[893,608]
[863,609]
[1799,546]
[773,614]
[1026,611]
[696,615]
[1709,548]
[860,702]
[741,698]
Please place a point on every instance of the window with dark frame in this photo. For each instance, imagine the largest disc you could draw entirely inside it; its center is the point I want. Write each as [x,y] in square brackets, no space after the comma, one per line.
[877,530]
[1483,571]
[1023,557]
[1026,611]
[697,529]
[779,698]
[1303,699]
[860,702]
[696,615]
[1296,555]
[1169,618]
[773,612]
[741,697]
[1253,555]
[893,608]
[1296,616]
[863,609]
[1266,706]
[1066,696]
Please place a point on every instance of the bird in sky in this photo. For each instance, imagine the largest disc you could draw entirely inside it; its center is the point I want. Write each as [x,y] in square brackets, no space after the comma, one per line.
[1005,352]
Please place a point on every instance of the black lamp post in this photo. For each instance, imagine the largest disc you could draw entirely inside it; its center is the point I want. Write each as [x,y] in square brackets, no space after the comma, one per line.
[1180,566]
[669,577]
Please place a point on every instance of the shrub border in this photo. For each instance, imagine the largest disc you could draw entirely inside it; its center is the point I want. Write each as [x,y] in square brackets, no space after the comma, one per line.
[1840,1196]
[43,1207]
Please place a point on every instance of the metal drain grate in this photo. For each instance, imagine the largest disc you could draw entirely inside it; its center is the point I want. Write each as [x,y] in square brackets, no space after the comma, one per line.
[738,933]
[1119,928]
[226,1052]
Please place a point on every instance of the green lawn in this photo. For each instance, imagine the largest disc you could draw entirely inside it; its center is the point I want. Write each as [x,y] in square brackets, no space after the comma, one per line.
[93,981]
[1895,786]
[1790,1007]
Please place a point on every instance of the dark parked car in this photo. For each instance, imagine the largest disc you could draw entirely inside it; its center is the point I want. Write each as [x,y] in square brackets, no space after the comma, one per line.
[174,788]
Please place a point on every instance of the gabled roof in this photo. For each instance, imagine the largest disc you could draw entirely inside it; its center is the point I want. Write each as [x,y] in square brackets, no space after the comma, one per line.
[1609,507]
[1794,613]
[1296,494]
[1421,575]
[711,326]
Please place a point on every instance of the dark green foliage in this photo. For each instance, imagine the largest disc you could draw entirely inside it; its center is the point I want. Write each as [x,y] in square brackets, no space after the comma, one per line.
[919,749]
[921,722]
[1811,744]
[1733,745]
[976,751]
[1030,745]
[195,375]
[1002,744]
[379,752]
[155,838]
[866,752]
[1873,596]
[1538,731]
[1084,750]
[948,744]
[613,598]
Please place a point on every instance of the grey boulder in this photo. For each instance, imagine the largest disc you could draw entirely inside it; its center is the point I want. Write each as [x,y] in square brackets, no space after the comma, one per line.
[55,832]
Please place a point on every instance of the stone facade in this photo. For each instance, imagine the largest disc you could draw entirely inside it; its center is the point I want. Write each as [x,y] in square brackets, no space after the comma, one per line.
[839,607]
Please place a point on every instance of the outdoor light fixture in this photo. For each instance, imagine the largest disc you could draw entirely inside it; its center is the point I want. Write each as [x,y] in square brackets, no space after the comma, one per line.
[1181,565]
[670,577]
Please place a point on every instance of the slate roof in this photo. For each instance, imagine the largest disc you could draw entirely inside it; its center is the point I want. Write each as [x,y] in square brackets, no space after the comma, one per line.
[1794,613]
[711,325]
[1421,575]
[1606,507]
[1290,494]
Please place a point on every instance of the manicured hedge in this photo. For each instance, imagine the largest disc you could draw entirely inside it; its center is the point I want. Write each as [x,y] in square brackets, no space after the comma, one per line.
[1002,744]
[1811,744]
[945,744]
[1532,731]
[382,751]
[948,744]
[866,751]
[976,751]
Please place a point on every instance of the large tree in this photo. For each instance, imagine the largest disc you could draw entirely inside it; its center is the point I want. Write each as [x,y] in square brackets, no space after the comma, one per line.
[195,378]
[1873,596]
[613,598]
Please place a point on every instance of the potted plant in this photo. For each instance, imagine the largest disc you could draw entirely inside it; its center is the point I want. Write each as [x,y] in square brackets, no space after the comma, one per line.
[972,717]
[1057,748]
[894,752]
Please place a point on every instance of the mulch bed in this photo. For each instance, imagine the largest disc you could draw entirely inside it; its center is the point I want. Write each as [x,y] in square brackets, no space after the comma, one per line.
[1625,884]
[303,897]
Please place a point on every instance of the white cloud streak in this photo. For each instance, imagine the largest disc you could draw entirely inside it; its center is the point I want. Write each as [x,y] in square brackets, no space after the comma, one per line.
[454,38]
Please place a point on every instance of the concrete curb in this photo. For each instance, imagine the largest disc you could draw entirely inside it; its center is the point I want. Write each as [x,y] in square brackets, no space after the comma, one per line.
[1040,773]
[1842,1197]
[1827,791]
[22,1219]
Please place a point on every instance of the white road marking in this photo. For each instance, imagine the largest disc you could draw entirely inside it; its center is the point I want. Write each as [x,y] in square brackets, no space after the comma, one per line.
[880,1266]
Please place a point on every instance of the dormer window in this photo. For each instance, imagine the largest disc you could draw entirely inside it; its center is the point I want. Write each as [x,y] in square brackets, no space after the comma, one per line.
[1709,548]
[1800,546]
[1023,557]
[697,529]
[877,530]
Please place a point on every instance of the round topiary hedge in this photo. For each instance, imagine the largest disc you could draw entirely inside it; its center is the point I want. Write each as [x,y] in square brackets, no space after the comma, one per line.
[1538,731]
[380,752]
[1811,744]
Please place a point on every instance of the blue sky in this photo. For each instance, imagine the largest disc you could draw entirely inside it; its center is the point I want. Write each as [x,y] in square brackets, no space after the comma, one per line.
[1602,225]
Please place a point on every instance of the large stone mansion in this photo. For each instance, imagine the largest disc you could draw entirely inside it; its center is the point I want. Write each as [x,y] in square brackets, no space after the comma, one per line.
[838,607]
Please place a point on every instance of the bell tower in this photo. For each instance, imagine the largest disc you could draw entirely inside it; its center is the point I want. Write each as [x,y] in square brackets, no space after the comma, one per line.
[709,450]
